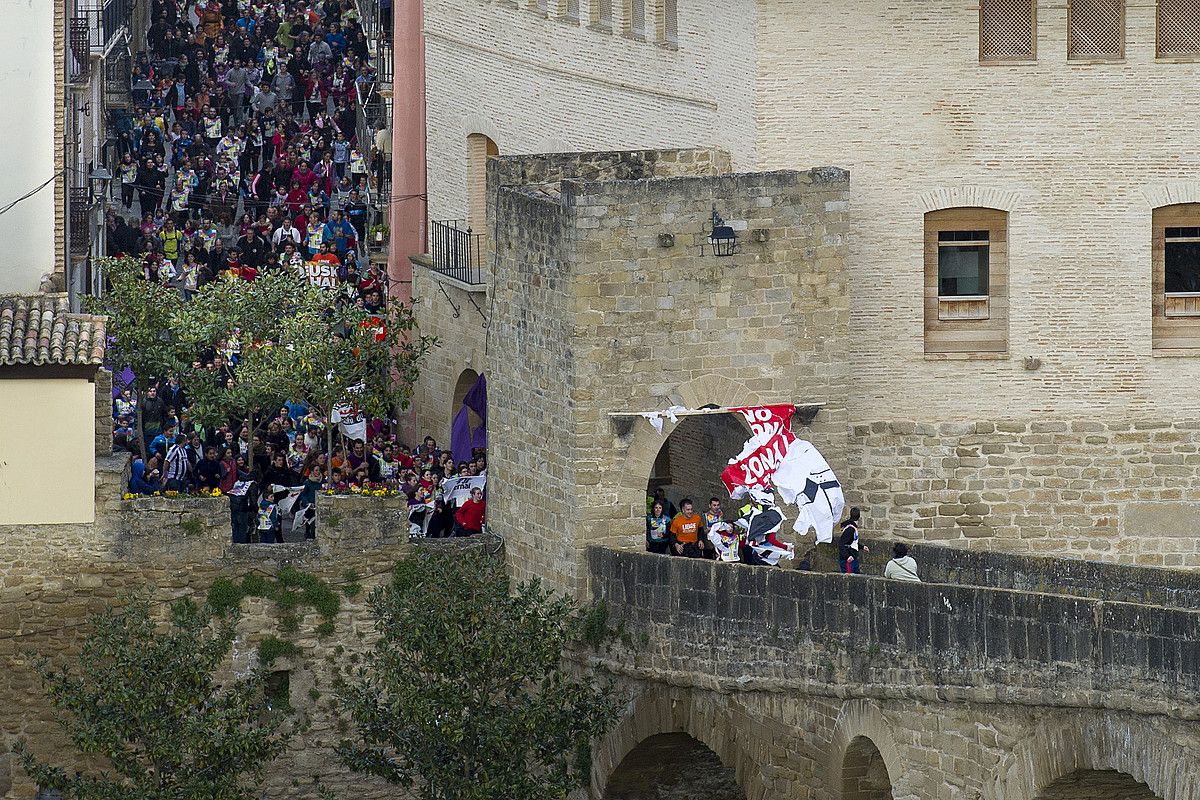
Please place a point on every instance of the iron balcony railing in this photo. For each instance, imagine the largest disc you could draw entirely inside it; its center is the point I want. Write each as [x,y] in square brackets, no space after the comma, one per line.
[456,251]
[93,29]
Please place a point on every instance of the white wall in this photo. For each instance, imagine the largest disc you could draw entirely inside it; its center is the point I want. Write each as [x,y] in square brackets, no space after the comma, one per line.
[48,460]
[26,142]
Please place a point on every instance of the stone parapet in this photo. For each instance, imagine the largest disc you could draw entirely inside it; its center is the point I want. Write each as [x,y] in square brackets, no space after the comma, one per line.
[755,628]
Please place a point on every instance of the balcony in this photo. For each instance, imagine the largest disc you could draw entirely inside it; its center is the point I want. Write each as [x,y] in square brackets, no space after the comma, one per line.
[79,204]
[93,30]
[456,252]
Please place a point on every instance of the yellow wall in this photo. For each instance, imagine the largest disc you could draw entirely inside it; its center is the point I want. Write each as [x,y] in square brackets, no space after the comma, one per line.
[47,451]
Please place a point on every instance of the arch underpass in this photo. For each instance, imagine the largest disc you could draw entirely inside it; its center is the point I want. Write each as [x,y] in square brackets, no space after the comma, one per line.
[672,766]
[1091,784]
[864,772]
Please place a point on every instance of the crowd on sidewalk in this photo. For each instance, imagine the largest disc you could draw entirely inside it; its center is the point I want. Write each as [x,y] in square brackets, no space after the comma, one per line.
[242,154]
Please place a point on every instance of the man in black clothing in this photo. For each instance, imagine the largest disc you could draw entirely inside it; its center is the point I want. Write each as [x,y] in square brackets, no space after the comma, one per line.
[356,212]
[154,412]
[254,248]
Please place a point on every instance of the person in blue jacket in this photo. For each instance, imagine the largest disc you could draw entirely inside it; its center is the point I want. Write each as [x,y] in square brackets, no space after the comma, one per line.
[137,479]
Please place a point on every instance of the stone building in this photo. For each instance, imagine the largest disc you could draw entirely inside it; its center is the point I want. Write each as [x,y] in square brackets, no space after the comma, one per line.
[1034,404]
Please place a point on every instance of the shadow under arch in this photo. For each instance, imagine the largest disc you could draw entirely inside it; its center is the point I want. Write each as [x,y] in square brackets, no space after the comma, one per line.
[672,766]
[1098,742]
[865,762]
[1093,784]
[653,718]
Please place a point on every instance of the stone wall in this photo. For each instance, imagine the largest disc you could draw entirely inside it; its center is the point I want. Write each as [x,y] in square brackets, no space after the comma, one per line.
[1112,491]
[52,578]
[530,368]
[594,315]
[1027,573]
[457,319]
[104,412]
[965,691]
[535,81]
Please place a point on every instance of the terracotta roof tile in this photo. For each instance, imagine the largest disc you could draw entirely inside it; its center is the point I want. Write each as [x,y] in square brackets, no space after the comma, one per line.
[39,329]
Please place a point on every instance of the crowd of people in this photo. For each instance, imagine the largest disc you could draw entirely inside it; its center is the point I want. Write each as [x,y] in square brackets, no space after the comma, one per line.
[243,153]
[682,531]
[284,458]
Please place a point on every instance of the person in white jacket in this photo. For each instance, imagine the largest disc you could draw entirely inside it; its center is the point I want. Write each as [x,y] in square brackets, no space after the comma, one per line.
[902,567]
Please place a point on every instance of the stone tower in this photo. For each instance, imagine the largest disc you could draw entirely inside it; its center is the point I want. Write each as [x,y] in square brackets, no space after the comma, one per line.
[607,297]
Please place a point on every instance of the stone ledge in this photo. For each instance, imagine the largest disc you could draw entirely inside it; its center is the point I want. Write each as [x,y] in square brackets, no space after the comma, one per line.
[426,262]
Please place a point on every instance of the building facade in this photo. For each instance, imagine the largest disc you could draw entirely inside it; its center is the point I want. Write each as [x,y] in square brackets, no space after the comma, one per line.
[1022,209]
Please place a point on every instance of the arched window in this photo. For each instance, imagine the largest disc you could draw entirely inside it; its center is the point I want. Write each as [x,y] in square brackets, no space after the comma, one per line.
[479,149]
[1175,280]
[966,281]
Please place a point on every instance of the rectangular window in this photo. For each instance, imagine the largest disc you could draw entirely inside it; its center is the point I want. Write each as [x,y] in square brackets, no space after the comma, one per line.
[1095,29]
[966,283]
[1007,31]
[1175,280]
[636,18]
[572,12]
[670,21]
[1181,260]
[600,14]
[962,263]
[1178,29]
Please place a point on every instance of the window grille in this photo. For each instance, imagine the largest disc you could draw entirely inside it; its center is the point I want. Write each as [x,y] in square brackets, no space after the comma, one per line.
[670,21]
[1095,29]
[1178,28]
[637,17]
[1007,30]
[602,14]
[572,12]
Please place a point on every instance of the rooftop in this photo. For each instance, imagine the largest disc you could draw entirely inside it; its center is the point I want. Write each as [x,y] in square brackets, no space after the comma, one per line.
[39,329]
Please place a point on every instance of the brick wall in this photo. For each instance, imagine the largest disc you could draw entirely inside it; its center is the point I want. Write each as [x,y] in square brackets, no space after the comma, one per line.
[1114,491]
[1077,153]
[537,83]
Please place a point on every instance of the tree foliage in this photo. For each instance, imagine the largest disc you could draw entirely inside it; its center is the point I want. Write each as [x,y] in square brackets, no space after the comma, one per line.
[148,703]
[298,342]
[466,695]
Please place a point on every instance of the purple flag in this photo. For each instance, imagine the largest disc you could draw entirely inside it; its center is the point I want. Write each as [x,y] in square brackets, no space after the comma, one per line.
[462,438]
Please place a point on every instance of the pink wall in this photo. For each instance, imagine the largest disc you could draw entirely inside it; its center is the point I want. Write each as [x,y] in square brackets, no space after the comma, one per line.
[408,210]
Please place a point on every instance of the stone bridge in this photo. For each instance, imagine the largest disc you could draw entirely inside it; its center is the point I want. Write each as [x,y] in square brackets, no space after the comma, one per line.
[1000,678]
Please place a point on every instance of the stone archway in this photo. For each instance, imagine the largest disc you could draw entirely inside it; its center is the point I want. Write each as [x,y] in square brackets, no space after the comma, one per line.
[864,774]
[702,722]
[690,461]
[1092,784]
[644,444]
[1098,742]
[672,766]
[865,763]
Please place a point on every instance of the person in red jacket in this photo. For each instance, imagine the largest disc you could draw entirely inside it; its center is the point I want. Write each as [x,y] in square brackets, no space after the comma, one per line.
[468,520]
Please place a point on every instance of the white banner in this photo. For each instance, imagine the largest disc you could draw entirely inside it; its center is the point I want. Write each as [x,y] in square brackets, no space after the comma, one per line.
[456,490]
[321,273]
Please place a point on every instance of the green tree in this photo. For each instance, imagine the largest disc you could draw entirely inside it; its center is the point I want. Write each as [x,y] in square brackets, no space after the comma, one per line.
[146,701]
[139,314]
[466,694]
[255,312]
[330,353]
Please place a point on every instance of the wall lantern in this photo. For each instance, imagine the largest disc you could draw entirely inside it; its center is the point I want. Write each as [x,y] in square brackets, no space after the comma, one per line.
[723,238]
[99,180]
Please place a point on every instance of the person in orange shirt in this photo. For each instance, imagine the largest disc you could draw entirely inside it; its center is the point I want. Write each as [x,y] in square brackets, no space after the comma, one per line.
[325,256]
[685,532]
